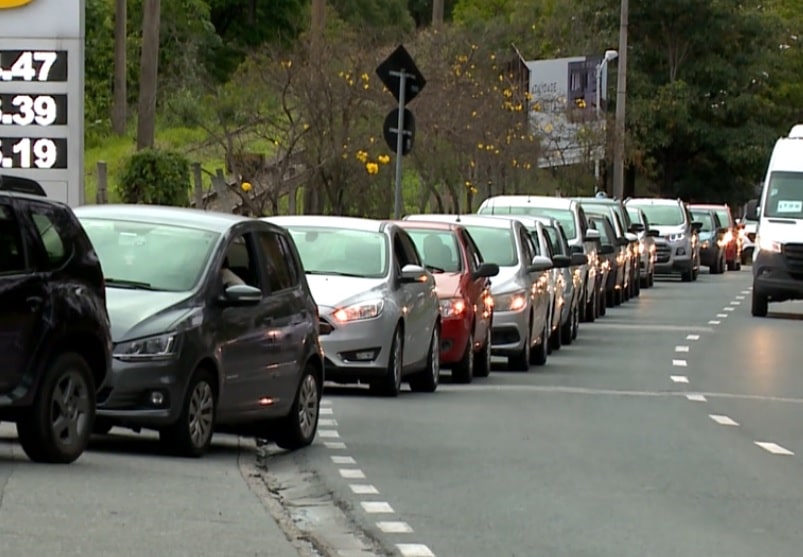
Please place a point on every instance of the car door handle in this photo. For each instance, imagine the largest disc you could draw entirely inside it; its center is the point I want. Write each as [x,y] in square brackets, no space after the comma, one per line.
[34,302]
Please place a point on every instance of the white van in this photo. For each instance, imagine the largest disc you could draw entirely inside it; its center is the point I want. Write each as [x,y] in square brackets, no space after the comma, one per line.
[778,256]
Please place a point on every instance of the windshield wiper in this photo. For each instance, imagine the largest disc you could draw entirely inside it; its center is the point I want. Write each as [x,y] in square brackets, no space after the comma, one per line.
[434,269]
[132,284]
[335,273]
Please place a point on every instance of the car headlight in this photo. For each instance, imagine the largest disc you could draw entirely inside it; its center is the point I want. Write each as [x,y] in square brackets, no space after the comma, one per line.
[160,347]
[676,237]
[453,307]
[768,245]
[514,301]
[359,311]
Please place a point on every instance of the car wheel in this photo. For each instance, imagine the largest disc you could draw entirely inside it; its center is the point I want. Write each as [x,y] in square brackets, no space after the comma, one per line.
[57,427]
[737,264]
[463,371]
[567,330]
[192,434]
[652,279]
[759,305]
[591,309]
[637,285]
[427,380]
[555,340]
[539,356]
[299,427]
[576,324]
[482,365]
[521,361]
[390,385]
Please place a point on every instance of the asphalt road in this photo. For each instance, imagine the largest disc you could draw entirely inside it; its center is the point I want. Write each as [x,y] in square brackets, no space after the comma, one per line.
[123,498]
[641,439]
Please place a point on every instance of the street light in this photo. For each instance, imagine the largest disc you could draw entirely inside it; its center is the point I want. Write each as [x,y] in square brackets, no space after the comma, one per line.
[609,55]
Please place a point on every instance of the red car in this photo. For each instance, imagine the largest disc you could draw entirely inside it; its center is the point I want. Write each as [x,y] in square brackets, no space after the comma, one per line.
[462,279]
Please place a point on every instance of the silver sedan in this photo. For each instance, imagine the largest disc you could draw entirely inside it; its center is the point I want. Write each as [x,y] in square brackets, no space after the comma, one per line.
[379,311]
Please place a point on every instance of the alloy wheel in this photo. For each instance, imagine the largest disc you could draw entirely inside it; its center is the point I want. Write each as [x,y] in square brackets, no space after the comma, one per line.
[308,405]
[200,413]
[69,409]
[435,364]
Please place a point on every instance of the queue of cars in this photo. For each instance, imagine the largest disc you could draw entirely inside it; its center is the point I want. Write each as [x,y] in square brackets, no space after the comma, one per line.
[190,322]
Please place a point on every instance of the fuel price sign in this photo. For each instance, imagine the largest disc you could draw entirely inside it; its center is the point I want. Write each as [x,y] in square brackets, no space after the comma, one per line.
[41,94]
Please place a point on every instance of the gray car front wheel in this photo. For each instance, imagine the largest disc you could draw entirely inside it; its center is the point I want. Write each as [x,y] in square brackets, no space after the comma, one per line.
[192,434]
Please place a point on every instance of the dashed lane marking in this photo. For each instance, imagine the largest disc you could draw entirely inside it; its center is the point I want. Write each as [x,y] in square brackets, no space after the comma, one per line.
[326,411]
[414,550]
[394,527]
[326,402]
[328,433]
[722,420]
[728,309]
[658,328]
[363,489]
[746,291]
[681,348]
[679,378]
[696,398]
[774,448]
[352,473]
[336,445]
[692,337]
[327,423]
[721,315]
[376,507]
[714,322]
[679,363]
[337,459]
[736,303]
[740,297]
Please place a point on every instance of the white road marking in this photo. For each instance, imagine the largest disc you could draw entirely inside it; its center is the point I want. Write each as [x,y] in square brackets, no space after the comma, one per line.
[414,550]
[722,420]
[740,297]
[681,348]
[327,423]
[394,527]
[679,363]
[363,489]
[679,378]
[328,433]
[774,448]
[728,309]
[746,291]
[750,289]
[714,322]
[326,402]
[352,473]
[656,328]
[692,337]
[376,507]
[326,411]
[343,460]
[334,445]
[721,315]
[696,398]
[736,303]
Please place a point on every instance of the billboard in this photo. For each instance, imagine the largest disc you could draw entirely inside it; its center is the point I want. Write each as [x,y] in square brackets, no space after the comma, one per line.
[42,94]
[562,109]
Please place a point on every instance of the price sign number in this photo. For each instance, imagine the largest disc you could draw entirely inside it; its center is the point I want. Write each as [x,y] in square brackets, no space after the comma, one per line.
[24,65]
[26,110]
[27,152]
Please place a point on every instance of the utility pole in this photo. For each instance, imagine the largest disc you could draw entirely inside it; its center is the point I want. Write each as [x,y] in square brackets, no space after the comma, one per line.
[437,14]
[621,100]
[148,73]
[318,19]
[120,104]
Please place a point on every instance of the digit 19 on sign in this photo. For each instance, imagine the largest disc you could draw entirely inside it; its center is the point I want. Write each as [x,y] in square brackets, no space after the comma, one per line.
[33,152]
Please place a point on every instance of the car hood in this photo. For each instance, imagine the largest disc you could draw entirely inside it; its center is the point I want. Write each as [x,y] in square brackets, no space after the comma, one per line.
[332,290]
[667,230]
[501,282]
[446,284]
[140,313]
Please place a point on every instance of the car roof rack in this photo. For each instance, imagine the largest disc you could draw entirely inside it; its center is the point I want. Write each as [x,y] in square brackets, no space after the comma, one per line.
[21,185]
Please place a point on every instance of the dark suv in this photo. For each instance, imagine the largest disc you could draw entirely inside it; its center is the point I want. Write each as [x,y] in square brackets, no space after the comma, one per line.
[55,345]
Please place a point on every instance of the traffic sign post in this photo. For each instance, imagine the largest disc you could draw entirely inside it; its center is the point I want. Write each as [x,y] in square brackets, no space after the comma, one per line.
[401,76]
[42,95]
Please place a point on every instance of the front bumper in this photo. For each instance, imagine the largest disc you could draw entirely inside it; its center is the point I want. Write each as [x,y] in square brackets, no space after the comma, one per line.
[454,337]
[779,276]
[672,257]
[357,350]
[510,331]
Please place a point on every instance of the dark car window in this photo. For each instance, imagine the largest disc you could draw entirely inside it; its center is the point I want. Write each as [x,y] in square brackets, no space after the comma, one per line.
[12,255]
[497,245]
[553,241]
[529,247]
[277,260]
[562,240]
[406,250]
[56,246]
[438,248]
[474,255]
[241,259]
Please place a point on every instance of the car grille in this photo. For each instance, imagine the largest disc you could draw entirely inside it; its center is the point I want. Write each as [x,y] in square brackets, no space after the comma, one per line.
[793,254]
[662,253]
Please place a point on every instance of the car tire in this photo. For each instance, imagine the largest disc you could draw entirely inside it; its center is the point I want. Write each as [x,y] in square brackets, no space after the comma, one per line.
[555,340]
[390,385]
[637,286]
[192,434]
[566,332]
[482,359]
[652,279]
[426,381]
[538,357]
[591,309]
[687,276]
[463,371]
[521,361]
[297,430]
[576,325]
[68,387]
[759,305]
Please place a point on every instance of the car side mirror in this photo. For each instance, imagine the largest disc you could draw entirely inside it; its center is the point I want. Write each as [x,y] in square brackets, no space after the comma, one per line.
[413,273]
[592,235]
[561,261]
[579,259]
[697,226]
[486,270]
[539,264]
[653,233]
[241,295]
[578,250]
[607,249]
[751,210]
[622,241]
[637,228]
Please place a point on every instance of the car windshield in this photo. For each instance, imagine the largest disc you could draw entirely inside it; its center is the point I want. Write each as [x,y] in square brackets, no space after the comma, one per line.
[634,215]
[337,251]
[438,248]
[497,245]
[705,218]
[724,217]
[785,196]
[663,215]
[150,256]
[564,216]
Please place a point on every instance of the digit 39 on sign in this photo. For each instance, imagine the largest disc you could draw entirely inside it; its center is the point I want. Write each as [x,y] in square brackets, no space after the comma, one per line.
[36,152]
[39,110]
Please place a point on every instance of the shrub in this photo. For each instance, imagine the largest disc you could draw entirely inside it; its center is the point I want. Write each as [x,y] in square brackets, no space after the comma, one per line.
[156,177]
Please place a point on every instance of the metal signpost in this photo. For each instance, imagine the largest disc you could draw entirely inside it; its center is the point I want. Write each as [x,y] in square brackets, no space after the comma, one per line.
[401,76]
[42,95]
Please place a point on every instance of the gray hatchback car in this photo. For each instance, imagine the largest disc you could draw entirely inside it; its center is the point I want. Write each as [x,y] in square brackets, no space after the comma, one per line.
[213,323]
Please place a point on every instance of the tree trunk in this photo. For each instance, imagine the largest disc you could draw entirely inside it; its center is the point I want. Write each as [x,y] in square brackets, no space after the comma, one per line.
[148,74]
[437,13]
[120,105]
